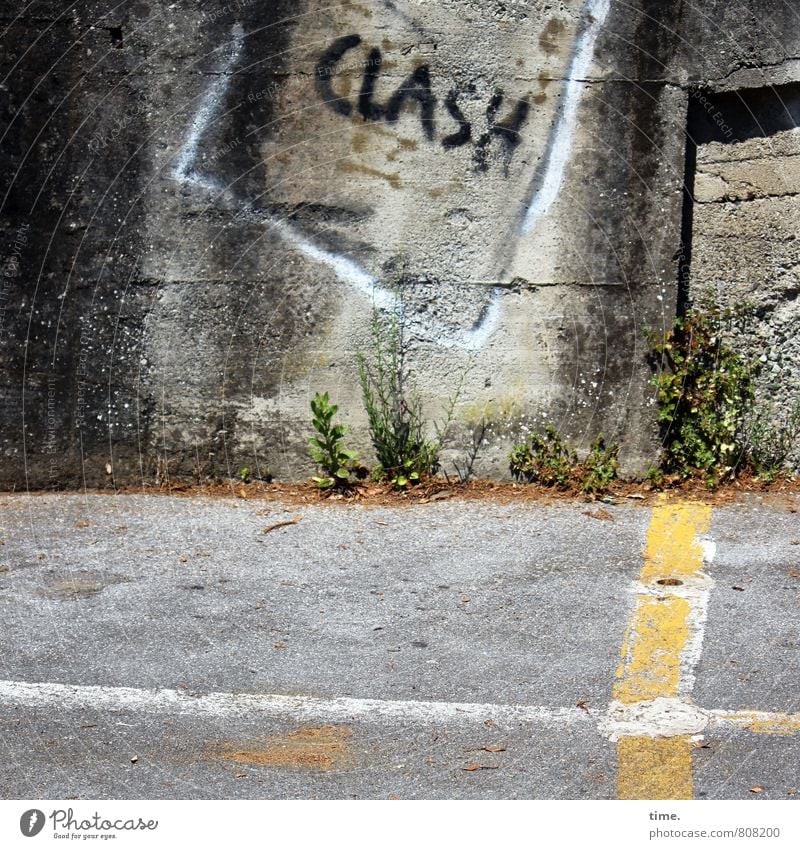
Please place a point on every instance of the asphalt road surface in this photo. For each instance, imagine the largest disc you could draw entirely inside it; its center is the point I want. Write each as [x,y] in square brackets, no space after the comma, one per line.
[159,647]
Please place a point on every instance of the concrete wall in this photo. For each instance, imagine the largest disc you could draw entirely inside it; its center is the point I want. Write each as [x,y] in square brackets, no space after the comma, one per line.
[202,203]
[745,223]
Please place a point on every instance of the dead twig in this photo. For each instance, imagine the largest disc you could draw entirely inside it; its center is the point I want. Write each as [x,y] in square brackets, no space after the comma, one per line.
[269,528]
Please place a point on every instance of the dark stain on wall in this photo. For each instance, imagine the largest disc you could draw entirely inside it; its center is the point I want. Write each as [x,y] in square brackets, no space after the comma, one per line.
[71,164]
[250,115]
[548,40]
[626,252]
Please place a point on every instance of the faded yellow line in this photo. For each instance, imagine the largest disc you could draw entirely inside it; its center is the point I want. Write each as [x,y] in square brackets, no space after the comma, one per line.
[652,768]
[649,768]
[761,723]
[651,664]
[674,547]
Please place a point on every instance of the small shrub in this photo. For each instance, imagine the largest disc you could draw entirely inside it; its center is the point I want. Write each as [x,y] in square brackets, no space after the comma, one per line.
[547,459]
[704,390]
[244,474]
[404,452]
[327,449]
[600,468]
[544,459]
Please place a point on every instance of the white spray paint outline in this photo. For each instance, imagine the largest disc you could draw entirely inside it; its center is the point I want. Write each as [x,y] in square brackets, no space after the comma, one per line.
[559,148]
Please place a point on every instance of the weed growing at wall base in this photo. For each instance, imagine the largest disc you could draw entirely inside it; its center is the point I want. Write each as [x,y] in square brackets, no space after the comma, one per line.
[548,460]
[545,459]
[600,468]
[705,388]
[772,439]
[327,449]
[404,452]
[466,470]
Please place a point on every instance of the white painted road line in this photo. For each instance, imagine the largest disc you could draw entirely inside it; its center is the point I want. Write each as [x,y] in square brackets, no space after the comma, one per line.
[658,718]
[299,708]
[664,718]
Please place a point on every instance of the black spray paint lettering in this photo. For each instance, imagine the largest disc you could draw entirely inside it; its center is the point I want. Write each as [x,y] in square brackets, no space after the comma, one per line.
[417,89]
[508,130]
[324,71]
[464,133]
[368,109]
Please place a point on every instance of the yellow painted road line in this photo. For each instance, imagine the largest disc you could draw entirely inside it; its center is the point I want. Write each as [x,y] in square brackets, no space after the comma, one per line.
[651,664]
[674,545]
[654,768]
[667,623]
[759,722]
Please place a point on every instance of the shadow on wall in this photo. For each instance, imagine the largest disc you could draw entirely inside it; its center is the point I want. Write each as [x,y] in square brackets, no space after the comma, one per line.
[736,116]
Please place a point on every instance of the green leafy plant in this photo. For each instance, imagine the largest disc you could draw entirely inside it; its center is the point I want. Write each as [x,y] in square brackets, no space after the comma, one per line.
[704,390]
[654,476]
[244,474]
[327,448]
[545,458]
[600,468]
[397,425]
[548,460]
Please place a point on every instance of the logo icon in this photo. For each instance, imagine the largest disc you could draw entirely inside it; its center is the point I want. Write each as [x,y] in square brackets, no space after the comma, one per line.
[31,822]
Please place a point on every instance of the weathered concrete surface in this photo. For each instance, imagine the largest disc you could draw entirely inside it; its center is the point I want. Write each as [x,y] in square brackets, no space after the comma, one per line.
[202,201]
[382,585]
[472,626]
[744,242]
[755,569]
